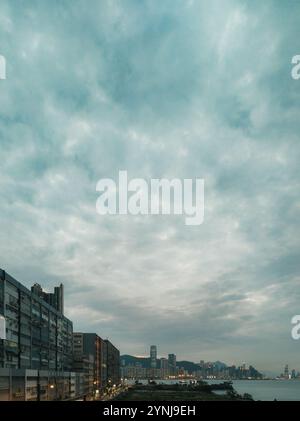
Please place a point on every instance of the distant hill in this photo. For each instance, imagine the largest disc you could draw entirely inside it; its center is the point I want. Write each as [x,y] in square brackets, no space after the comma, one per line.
[131,360]
[145,363]
[188,365]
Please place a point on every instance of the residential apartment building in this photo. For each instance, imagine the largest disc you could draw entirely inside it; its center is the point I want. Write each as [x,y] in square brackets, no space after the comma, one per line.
[105,358]
[39,385]
[38,336]
[86,355]
[153,356]
[172,364]
[112,364]
[40,358]
[35,343]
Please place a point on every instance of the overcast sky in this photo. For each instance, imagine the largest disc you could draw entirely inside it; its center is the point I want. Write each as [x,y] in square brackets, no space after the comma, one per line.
[161,89]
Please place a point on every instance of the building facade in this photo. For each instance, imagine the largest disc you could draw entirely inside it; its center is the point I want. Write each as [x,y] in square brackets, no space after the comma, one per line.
[153,356]
[39,385]
[164,368]
[172,364]
[36,352]
[87,360]
[38,336]
[84,363]
[40,358]
[112,364]
[55,299]
[105,357]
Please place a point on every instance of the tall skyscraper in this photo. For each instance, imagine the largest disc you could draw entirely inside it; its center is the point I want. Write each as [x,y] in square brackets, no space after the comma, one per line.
[172,363]
[164,367]
[286,371]
[153,356]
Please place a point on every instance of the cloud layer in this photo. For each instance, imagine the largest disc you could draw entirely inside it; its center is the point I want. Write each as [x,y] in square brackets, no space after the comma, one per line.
[179,89]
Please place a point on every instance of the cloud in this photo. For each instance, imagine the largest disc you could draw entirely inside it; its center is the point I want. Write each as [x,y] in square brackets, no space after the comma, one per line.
[180,89]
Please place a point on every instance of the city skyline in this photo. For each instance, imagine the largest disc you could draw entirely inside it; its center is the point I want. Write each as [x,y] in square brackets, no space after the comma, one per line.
[200,360]
[180,89]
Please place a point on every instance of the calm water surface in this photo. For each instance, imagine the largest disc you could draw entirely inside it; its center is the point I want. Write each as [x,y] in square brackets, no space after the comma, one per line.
[268,390]
[264,390]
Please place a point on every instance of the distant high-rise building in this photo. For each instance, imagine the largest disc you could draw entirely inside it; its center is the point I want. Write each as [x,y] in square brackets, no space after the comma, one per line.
[164,363]
[164,367]
[172,363]
[286,371]
[153,356]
